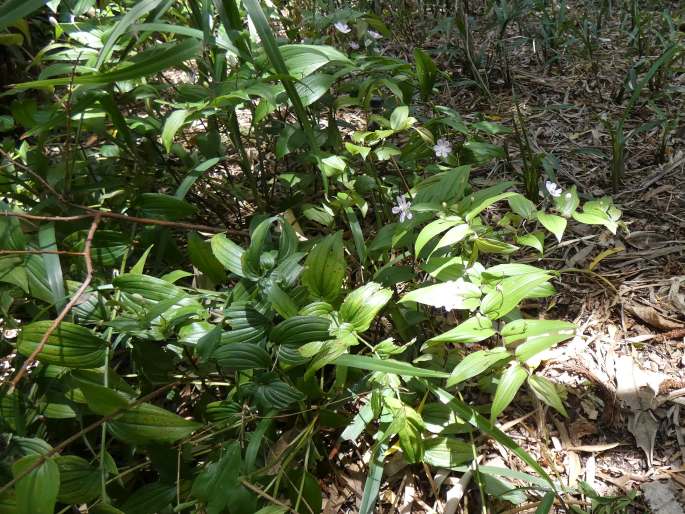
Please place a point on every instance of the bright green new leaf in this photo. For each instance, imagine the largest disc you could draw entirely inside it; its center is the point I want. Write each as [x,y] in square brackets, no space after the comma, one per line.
[555,224]
[171,125]
[532,336]
[509,383]
[509,293]
[473,330]
[361,306]
[453,294]
[386,366]
[476,363]
[324,268]
[431,230]
[228,254]
[547,392]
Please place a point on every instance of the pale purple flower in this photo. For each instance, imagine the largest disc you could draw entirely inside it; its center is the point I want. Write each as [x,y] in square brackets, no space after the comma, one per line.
[343,27]
[373,34]
[354,45]
[553,189]
[403,209]
[443,148]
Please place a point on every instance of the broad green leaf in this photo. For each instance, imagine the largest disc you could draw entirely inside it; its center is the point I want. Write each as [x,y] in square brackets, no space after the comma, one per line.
[431,230]
[481,204]
[36,492]
[567,203]
[241,356]
[270,393]
[522,206]
[143,423]
[535,240]
[532,336]
[361,306]
[509,383]
[200,253]
[300,330]
[447,452]
[454,294]
[476,363]
[473,330]
[386,366]
[313,87]
[149,288]
[171,125]
[509,293]
[546,391]
[150,499]
[426,72]
[555,224]
[214,485]
[70,345]
[324,268]
[410,428]
[79,481]
[399,117]
[228,253]
[303,60]
[599,212]
[164,207]
[453,235]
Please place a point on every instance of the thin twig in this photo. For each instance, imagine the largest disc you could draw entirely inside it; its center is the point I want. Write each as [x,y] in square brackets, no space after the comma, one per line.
[266,495]
[74,299]
[35,175]
[61,446]
[91,213]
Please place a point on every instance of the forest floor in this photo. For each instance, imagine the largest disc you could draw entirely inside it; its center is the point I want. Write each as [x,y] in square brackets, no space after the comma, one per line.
[625,370]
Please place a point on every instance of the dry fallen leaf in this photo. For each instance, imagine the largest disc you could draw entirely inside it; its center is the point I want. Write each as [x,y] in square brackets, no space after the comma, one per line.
[652,317]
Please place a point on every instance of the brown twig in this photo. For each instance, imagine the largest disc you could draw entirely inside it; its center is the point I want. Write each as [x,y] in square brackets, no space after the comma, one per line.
[74,299]
[61,446]
[91,213]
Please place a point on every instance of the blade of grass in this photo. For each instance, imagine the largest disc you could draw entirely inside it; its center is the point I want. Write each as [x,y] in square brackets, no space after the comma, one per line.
[254,10]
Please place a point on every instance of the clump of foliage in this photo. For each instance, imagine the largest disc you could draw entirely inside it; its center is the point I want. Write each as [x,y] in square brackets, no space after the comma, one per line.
[208,268]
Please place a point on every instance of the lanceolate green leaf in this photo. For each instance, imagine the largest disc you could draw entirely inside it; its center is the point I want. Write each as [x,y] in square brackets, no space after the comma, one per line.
[532,336]
[324,268]
[53,268]
[135,12]
[144,64]
[228,253]
[472,330]
[172,124]
[472,417]
[14,10]
[36,492]
[241,356]
[261,24]
[361,305]
[546,391]
[386,366]
[509,293]
[509,383]
[69,345]
[476,363]
[137,424]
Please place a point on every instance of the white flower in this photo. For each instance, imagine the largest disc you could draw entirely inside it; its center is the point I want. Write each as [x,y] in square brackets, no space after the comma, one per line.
[403,209]
[53,21]
[373,34]
[443,148]
[343,27]
[553,189]
[354,45]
